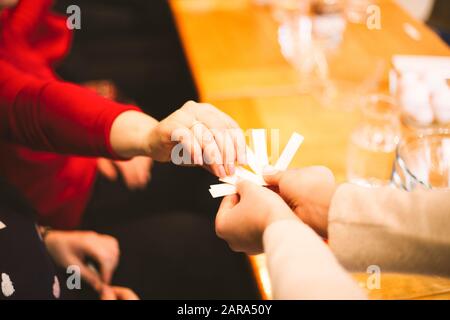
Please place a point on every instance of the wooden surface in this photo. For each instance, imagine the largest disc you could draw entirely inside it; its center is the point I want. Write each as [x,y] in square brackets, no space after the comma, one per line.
[235,58]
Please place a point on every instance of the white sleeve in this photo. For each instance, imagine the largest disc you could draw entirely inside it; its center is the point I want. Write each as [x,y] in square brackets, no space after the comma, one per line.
[395,230]
[301,266]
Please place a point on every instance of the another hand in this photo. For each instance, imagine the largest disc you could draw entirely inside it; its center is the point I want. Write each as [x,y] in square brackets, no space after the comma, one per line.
[210,137]
[242,219]
[135,172]
[308,191]
[117,293]
[74,247]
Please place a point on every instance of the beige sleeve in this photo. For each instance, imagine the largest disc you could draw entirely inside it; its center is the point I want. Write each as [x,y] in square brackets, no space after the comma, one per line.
[301,265]
[395,230]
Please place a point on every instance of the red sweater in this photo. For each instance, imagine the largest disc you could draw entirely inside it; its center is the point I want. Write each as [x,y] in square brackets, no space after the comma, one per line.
[39,111]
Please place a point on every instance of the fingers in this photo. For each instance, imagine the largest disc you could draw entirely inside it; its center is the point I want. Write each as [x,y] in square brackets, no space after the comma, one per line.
[135,172]
[209,149]
[227,136]
[117,293]
[222,217]
[238,137]
[124,293]
[272,176]
[105,251]
[227,149]
[229,153]
[130,175]
[143,165]
[107,293]
[194,145]
[244,186]
[229,202]
[107,169]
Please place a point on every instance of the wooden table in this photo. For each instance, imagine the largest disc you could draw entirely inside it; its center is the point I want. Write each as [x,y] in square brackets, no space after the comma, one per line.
[234,54]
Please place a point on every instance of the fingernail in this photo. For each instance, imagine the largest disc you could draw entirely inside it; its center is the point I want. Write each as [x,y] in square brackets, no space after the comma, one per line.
[269,170]
[222,173]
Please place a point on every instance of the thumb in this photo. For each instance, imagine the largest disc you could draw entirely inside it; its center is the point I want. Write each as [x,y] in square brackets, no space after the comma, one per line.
[228,202]
[107,293]
[245,186]
[272,176]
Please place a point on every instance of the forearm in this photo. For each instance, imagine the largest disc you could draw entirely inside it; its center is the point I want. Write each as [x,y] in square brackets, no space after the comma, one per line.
[61,117]
[393,229]
[301,266]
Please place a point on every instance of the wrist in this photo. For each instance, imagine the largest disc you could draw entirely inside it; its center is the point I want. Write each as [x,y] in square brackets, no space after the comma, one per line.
[44,232]
[279,214]
[49,236]
[130,134]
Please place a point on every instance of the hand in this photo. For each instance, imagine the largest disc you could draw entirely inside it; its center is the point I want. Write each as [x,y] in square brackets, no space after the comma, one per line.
[135,172]
[210,137]
[308,191]
[207,136]
[74,247]
[242,219]
[117,293]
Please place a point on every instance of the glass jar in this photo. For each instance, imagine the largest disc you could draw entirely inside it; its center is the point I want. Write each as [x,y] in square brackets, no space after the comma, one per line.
[373,143]
[423,160]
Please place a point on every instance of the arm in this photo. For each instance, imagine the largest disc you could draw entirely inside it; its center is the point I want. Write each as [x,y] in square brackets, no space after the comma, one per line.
[396,230]
[301,265]
[387,227]
[56,116]
[61,117]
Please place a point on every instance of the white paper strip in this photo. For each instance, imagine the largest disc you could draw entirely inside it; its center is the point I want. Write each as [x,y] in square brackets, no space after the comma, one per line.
[289,152]
[252,162]
[221,190]
[242,173]
[260,148]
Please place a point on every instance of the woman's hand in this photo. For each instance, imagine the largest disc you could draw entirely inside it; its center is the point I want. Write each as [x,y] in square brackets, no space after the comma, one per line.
[75,247]
[308,191]
[242,219]
[204,136]
[136,172]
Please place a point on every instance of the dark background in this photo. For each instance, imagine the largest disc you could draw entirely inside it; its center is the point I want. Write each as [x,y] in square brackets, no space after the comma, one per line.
[135,44]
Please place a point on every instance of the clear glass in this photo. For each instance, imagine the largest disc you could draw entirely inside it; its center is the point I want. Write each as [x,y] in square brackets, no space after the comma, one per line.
[356,10]
[423,160]
[372,145]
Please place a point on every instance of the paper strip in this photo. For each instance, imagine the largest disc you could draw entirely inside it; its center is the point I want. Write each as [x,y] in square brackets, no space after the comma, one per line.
[221,190]
[260,148]
[289,152]
[242,173]
[252,162]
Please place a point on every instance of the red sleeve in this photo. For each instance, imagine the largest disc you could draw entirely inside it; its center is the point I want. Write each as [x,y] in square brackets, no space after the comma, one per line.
[55,116]
[26,15]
